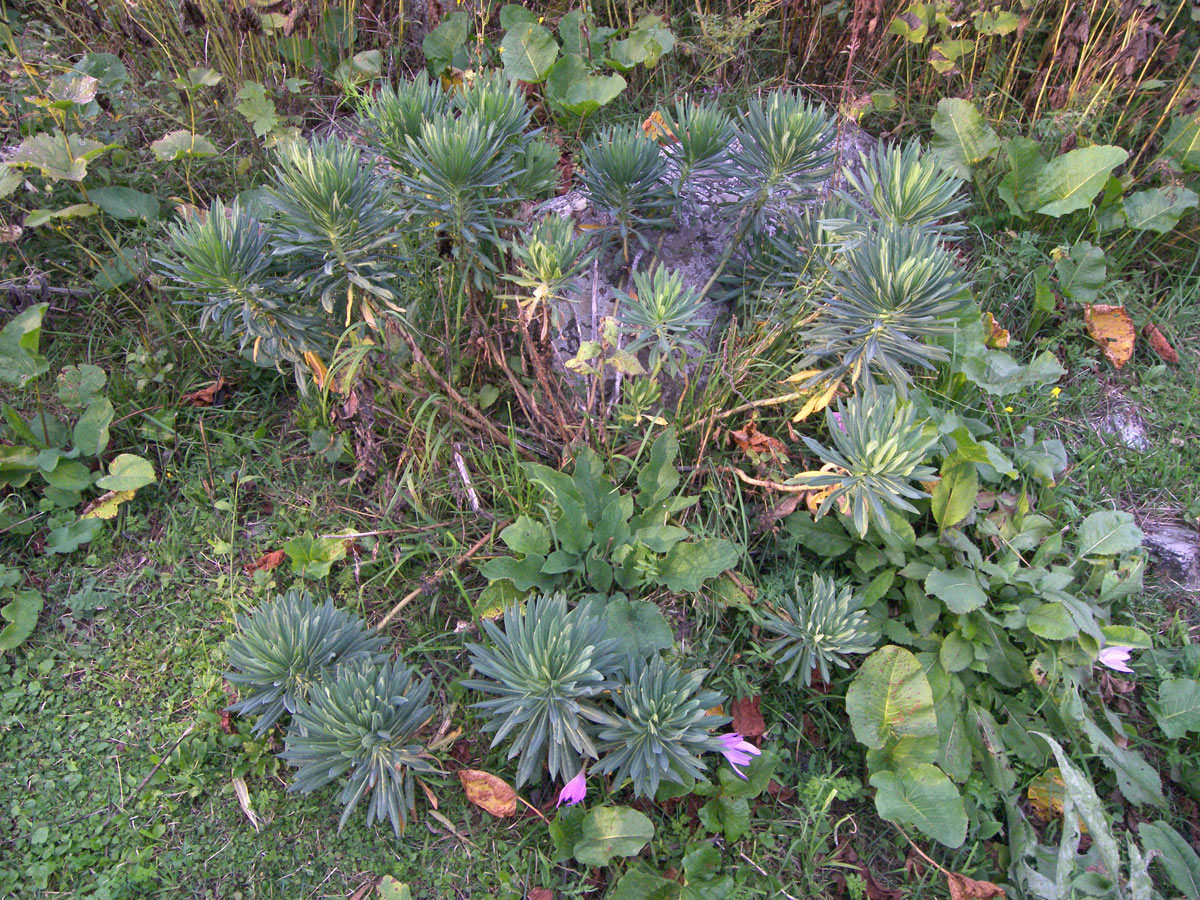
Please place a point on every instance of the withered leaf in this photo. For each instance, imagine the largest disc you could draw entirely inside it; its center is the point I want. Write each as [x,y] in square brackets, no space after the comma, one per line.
[1112,329]
[964,888]
[747,719]
[1159,343]
[206,395]
[266,562]
[488,792]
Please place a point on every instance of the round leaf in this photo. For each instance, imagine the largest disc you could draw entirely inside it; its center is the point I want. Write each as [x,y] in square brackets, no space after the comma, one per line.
[125,203]
[612,831]
[127,473]
[528,51]
[22,615]
[923,796]
[890,697]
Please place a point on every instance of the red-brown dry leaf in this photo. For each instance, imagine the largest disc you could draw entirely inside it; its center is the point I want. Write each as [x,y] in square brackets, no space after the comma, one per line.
[875,891]
[754,443]
[964,888]
[226,722]
[206,395]
[266,562]
[747,719]
[489,793]
[810,731]
[1159,344]
[1112,329]
[541,894]
[780,792]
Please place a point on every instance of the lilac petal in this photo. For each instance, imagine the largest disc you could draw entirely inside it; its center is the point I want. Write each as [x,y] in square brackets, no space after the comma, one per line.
[574,790]
[1116,658]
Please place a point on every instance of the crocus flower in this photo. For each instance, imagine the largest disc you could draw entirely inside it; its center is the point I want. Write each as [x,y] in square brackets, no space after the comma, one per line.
[737,751]
[573,791]
[1116,658]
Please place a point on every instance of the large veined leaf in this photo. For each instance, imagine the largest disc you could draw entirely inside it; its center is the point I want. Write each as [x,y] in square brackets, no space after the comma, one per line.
[1018,189]
[588,94]
[440,45]
[1177,857]
[638,625]
[1182,143]
[528,51]
[1178,707]
[182,144]
[127,473]
[106,68]
[890,698]
[1158,209]
[962,137]
[612,831]
[998,373]
[958,588]
[1071,182]
[21,614]
[688,565]
[1136,778]
[1082,272]
[923,796]
[1107,533]
[58,156]
[19,356]
[125,203]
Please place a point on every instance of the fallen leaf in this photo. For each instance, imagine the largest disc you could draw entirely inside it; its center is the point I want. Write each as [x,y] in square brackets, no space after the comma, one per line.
[541,894]
[243,799]
[186,211]
[997,337]
[655,127]
[962,888]
[1159,344]
[914,865]
[10,234]
[106,505]
[874,890]
[780,792]
[266,562]
[488,792]
[747,719]
[1112,329]
[755,444]
[1046,794]
[206,395]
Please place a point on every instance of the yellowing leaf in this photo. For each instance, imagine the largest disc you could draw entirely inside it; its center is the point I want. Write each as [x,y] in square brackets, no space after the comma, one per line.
[488,792]
[656,127]
[997,338]
[820,398]
[106,506]
[1046,794]
[1112,329]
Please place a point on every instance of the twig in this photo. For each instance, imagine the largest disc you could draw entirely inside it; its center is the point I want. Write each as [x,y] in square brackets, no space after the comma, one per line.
[437,576]
[746,407]
[461,465]
[758,482]
[923,854]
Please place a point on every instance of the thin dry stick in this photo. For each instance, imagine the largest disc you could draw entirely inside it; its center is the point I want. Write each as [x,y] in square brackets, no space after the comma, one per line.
[770,485]
[437,576]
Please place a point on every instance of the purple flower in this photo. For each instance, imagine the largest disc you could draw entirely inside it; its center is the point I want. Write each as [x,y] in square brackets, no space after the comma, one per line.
[574,790]
[1116,658]
[737,751]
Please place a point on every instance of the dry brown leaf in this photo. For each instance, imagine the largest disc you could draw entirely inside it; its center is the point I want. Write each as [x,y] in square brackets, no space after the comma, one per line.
[997,337]
[206,395]
[655,127]
[747,718]
[1159,343]
[755,444]
[1112,329]
[541,894]
[488,792]
[964,888]
[266,562]
[10,234]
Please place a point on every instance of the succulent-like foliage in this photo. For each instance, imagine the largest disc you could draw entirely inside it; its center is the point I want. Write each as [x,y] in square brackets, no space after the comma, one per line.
[663,315]
[879,446]
[624,175]
[786,147]
[699,139]
[663,727]
[222,263]
[774,266]
[287,645]
[546,669]
[362,724]
[818,629]
[338,226]
[394,115]
[494,101]
[547,256]
[896,187]
[536,174]
[888,295]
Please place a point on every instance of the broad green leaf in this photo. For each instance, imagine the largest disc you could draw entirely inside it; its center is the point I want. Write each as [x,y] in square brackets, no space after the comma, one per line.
[922,796]
[758,775]
[21,614]
[69,475]
[1126,635]
[314,557]
[1107,533]
[528,51]
[956,652]
[182,144]
[79,385]
[74,211]
[1052,622]
[913,24]
[1136,778]
[1018,189]
[890,698]
[70,538]
[1182,143]
[392,889]
[610,831]
[566,831]
[638,884]
[19,356]
[1081,273]
[358,69]
[1176,856]
[1087,804]
[658,477]
[71,90]
[106,68]
[588,94]
[958,588]
[639,626]
[997,22]
[944,55]
[525,536]
[962,137]
[127,473]
[1178,707]
[10,179]
[689,565]
[826,537]
[1071,182]
[198,77]
[440,45]
[513,14]
[58,156]
[257,108]
[125,203]
[1158,209]
[90,434]
[954,496]
[17,464]
[997,373]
